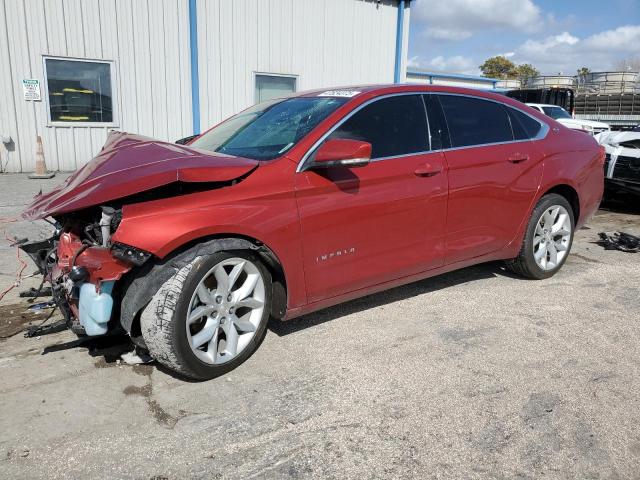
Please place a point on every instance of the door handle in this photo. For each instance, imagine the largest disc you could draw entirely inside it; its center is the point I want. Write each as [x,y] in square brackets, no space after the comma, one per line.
[518,158]
[427,170]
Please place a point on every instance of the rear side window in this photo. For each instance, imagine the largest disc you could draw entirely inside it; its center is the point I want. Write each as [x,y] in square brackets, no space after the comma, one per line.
[473,121]
[394,126]
[524,127]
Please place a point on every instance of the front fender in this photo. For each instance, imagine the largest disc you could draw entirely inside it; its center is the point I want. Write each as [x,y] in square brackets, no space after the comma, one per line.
[165,226]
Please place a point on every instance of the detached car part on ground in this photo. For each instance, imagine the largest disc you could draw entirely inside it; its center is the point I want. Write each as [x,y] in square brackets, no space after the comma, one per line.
[301,203]
[622,163]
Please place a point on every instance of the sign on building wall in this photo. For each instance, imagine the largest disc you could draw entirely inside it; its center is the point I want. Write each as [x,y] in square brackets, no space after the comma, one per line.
[31,89]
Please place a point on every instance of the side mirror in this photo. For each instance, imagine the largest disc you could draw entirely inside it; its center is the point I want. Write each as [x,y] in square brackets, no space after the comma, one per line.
[342,152]
[185,140]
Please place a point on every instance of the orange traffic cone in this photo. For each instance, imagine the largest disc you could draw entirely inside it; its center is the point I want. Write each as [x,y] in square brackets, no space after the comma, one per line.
[41,166]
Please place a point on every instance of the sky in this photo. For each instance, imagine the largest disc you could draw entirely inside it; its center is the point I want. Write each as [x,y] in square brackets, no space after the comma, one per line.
[554,36]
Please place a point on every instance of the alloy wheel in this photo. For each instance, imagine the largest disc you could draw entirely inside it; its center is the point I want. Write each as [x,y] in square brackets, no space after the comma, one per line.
[225,310]
[552,237]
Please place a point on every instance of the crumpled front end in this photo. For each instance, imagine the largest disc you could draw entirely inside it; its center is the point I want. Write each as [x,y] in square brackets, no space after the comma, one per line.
[83,265]
[83,260]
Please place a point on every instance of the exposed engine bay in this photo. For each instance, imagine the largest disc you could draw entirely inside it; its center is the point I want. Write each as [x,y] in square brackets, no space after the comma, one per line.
[82,263]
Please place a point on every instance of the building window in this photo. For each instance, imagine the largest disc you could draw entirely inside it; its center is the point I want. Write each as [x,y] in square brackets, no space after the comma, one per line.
[273,86]
[79,91]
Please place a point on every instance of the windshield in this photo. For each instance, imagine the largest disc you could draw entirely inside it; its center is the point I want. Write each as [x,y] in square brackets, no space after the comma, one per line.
[267,130]
[556,112]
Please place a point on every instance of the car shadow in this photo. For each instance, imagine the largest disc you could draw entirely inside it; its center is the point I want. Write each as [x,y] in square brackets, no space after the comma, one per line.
[108,350]
[457,277]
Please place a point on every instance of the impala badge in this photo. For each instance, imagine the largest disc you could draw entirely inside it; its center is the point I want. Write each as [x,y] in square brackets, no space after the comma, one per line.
[338,253]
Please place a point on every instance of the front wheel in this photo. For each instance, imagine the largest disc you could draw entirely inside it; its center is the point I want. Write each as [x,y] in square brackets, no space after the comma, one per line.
[547,240]
[210,316]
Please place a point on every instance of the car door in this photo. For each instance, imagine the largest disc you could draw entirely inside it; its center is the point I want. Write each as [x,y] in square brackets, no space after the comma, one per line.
[364,226]
[493,175]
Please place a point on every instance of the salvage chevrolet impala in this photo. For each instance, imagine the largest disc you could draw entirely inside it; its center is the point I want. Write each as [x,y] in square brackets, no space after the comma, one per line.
[300,203]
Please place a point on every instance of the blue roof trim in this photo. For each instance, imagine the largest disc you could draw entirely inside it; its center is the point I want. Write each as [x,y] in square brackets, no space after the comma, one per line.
[195,77]
[460,76]
[399,37]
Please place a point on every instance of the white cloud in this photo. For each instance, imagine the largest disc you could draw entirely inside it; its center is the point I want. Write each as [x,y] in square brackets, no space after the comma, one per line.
[622,39]
[413,62]
[460,19]
[549,46]
[456,63]
[566,52]
[445,34]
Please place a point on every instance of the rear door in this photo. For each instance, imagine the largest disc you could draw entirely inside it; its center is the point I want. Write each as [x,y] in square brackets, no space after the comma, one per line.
[368,225]
[494,173]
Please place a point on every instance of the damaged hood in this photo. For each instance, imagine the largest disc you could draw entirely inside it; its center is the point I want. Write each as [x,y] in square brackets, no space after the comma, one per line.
[129,164]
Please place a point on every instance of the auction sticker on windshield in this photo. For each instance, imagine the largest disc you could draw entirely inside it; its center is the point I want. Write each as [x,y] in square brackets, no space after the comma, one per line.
[339,93]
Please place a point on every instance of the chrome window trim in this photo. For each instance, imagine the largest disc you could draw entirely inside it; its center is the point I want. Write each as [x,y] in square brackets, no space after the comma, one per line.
[544,127]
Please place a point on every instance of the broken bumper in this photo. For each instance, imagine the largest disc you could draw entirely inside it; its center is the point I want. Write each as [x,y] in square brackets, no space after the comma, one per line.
[83,278]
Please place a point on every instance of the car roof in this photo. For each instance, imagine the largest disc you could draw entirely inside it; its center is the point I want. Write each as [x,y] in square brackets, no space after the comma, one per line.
[373,90]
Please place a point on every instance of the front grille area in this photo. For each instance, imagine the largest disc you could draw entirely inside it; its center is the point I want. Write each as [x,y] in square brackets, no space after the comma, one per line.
[626,168]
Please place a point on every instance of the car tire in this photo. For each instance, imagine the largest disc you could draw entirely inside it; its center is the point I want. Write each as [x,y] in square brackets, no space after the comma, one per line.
[547,240]
[196,303]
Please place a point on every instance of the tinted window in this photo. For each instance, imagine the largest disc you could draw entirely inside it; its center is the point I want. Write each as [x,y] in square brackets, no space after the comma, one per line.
[556,112]
[437,123]
[473,121]
[394,126]
[524,127]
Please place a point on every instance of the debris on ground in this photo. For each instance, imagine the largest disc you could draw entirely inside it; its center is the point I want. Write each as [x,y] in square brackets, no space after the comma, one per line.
[42,305]
[624,242]
[136,357]
[19,317]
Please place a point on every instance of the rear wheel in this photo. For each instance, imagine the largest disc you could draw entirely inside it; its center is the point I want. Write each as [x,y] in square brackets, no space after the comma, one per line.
[547,240]
[210,316]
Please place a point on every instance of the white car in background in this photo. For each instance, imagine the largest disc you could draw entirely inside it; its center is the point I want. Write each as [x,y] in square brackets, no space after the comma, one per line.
[561,115]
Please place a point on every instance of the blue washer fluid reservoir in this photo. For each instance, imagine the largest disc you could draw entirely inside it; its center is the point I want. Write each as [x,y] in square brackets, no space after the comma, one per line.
[95,308]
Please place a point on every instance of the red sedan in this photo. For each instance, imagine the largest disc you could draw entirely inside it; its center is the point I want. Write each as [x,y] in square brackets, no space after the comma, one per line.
[299,203]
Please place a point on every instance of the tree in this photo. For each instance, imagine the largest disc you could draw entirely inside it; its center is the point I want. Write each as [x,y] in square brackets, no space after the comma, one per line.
[583,71]
[498,67]
[524,71]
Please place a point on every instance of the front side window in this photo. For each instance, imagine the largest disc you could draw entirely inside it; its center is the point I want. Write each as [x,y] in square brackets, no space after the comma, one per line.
[79,91]
[267,130]
[473,121]
[393,126]
[556,112]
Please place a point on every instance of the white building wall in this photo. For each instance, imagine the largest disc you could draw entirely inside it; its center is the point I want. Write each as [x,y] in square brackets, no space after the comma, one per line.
[147,39]
[324,43]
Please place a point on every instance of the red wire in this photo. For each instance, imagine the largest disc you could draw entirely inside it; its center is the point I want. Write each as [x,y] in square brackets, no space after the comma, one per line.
[20,260]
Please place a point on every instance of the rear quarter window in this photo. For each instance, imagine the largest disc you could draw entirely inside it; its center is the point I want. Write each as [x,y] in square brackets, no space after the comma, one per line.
[473,121]
[524,127]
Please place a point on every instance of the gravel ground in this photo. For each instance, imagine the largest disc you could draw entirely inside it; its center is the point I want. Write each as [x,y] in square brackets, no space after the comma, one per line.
[473,374]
